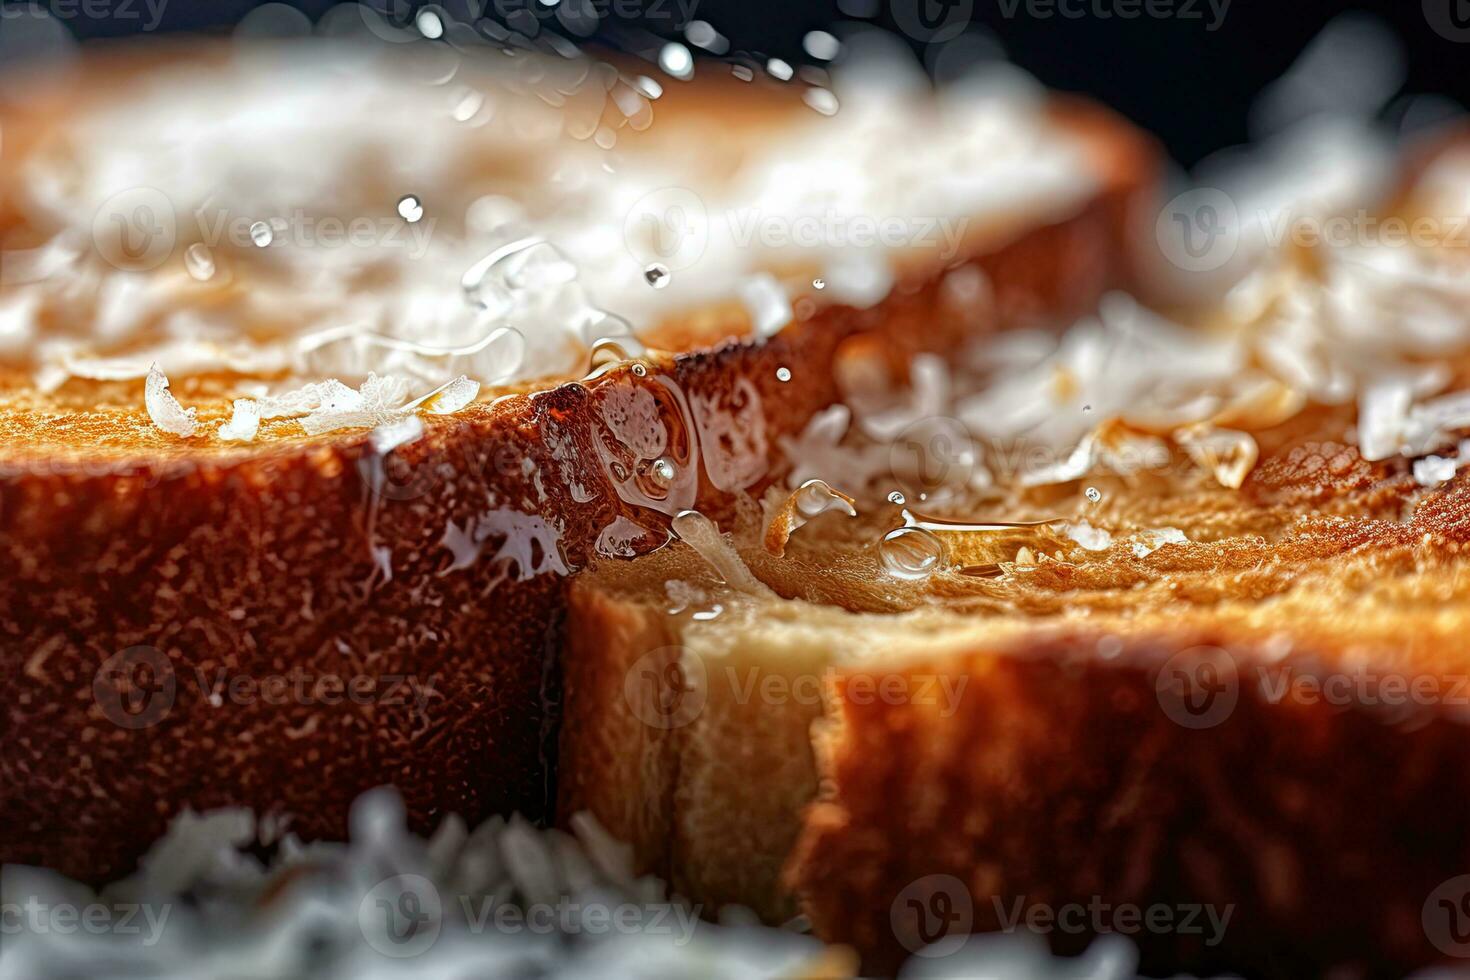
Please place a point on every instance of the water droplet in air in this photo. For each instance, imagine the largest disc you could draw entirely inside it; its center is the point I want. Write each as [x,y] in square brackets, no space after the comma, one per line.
[1086,408]
[429,23]
[896,497]
[640,370]
[1093,494]
[261,234]
[911,553]
[675,59]
[819,284]
[783,374]
[409,208]
[656,275]
[199,262]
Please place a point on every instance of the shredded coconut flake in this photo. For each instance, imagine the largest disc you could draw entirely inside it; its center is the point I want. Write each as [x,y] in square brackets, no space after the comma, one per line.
[164,409]
[1145,543]
[453,396]
[1431,471]
[769,306]
[243,423]
[1089,537]
[400,432]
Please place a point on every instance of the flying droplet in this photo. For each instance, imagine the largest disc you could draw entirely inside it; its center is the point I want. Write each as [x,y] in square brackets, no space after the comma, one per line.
[409,208]
[1093,494]
[429,23]
[897,497]
[819,284]
[656,275]
[911,553]
[1086,408]
[199,262]
[675,59]
[783,374]
[261,234]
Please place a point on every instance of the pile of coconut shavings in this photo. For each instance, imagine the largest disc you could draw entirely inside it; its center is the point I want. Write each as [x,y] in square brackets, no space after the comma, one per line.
[1115,390]
[506,899]
[379,403]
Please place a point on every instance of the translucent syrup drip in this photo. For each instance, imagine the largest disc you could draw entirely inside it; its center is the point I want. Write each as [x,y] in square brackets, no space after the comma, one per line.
[701,534]
[804,503]
[916,550]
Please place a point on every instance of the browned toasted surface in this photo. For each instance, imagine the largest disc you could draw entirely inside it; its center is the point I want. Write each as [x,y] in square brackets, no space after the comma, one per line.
[1030,751]
[259,565]
[1269,718]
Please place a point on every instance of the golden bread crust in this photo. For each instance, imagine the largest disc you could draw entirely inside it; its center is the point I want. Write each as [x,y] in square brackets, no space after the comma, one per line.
[254,564]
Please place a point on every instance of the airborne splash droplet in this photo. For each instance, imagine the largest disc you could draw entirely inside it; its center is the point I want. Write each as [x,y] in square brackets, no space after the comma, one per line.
[656,275]
[409,208]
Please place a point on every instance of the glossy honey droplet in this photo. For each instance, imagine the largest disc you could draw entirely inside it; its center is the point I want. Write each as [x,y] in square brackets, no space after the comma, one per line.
[911,553]
[662,472]
[656,275]
[261,234]
[409,208]
[199,262]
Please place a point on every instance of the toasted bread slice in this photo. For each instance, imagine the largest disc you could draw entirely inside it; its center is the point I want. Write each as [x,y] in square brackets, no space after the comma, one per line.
[284,622]
[1190,666]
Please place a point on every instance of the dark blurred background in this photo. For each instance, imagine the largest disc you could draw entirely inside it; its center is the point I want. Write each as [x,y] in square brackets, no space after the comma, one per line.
[1189,71]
